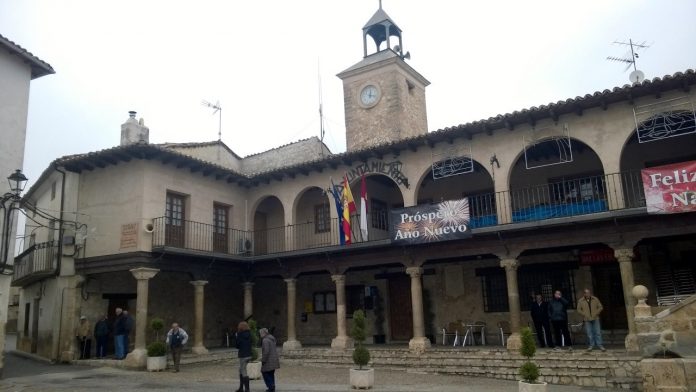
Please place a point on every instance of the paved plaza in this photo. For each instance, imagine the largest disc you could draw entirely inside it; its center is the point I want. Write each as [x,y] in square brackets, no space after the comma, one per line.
[27,375]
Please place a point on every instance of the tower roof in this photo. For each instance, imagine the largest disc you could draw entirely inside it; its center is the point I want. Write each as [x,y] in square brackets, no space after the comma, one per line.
[379,17]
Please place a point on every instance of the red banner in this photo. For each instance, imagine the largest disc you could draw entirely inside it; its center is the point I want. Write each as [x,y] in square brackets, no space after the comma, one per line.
[670,189]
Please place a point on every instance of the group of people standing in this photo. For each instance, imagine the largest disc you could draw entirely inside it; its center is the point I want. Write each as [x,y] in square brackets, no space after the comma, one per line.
[555,313]
[269,356]
[121,328]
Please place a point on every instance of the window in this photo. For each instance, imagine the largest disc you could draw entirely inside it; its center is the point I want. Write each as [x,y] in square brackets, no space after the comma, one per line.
[325,302]
[532,278]
[380,214]
[355,299]
[675,278]
[53,190]
[495,295]
[322,218]
[175,214]
[220,217]
[577,189]
[220,226]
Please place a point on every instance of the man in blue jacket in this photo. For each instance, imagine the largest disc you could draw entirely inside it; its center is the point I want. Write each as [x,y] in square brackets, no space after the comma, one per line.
[120,334]
[176,339]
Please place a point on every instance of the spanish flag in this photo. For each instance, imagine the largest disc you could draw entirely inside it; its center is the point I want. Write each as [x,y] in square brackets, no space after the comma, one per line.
[348,196]
[348,207]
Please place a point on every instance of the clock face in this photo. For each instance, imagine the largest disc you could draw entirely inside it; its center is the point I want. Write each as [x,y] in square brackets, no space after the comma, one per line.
[369,95]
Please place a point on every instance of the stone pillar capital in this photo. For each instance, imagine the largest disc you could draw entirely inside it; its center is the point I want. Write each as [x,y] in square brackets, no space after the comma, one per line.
[143,273]
[414,272]
[248,285]
[624,255]
[510,264]
[290,281]
[338,278]
[198,283]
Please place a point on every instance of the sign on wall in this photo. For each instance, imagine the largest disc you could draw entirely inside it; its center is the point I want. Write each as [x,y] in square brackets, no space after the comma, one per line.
[444,221]
[670,189]
[129,236]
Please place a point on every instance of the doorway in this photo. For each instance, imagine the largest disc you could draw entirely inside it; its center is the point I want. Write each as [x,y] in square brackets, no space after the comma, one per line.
[400,311]
[122,301]
[606,280]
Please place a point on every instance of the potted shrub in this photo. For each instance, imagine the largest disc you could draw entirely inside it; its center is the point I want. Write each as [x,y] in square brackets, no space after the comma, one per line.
[360,378]
[254,366]
[157,350]
[529,370]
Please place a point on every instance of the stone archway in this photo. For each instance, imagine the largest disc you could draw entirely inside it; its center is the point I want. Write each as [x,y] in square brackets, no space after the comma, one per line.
[383,195]
[269,226]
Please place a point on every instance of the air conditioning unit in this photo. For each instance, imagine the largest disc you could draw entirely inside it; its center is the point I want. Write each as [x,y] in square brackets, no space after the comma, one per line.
[245,246]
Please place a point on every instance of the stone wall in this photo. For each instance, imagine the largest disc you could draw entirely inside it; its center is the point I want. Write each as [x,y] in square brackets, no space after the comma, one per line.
[673,329]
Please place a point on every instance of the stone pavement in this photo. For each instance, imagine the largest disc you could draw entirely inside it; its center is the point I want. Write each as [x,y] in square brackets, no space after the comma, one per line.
[221,376]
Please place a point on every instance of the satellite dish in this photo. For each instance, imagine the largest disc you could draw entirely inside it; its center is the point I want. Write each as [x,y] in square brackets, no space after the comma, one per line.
[636,76]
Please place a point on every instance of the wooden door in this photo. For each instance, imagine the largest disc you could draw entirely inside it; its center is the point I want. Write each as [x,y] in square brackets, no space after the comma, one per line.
[174,219]
[400,311]
[260,234]
[609,289]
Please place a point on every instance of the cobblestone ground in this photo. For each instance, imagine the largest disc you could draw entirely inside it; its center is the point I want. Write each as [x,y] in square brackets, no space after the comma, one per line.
[221,376]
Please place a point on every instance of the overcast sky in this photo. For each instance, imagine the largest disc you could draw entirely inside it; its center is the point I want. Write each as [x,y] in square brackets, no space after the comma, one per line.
[260,59]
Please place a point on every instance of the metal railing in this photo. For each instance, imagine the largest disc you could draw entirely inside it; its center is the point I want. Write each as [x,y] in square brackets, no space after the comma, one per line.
[563,198]
[38,259]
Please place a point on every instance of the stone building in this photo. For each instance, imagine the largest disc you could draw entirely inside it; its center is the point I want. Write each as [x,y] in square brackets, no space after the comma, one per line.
[192,232]
[18,67]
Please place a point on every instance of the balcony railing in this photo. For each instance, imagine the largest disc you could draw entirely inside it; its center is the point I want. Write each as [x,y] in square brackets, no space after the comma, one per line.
[35,263]
[560,199]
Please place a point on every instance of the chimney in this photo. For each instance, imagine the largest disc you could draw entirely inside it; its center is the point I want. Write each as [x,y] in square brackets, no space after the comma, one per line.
[134,131]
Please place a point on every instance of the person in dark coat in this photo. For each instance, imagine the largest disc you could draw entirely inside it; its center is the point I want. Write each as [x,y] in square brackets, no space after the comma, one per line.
[558,314]
[540,316]
[101,334]
[269,359]
[130,323]
[243,340]
[120,334]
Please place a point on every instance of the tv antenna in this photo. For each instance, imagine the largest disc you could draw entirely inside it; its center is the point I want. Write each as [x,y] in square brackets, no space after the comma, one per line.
[218,109]
[322,130]
[636,76]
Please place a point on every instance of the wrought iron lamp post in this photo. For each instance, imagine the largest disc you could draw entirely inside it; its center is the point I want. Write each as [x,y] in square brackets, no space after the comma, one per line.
[10,201]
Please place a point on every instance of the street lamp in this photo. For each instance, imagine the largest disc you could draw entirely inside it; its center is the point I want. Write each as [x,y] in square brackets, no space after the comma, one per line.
[9,203]
[17,182]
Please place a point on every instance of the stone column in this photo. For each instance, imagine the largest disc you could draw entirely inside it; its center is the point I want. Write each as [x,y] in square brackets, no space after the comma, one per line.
[514,342]
[198,306]
[625,258]
[292,343]
[419,343]
[248,299]
[341,341]
[138,357]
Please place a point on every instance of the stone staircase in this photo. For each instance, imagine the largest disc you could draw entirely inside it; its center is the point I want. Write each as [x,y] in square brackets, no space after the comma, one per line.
[613,369]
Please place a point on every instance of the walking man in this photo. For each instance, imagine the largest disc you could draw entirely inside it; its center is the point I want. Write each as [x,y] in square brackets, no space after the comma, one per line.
[269,359]
[540,317]
[120,334]
[101,334]
[590,307]
[558,314]
[83,333]
[176,339]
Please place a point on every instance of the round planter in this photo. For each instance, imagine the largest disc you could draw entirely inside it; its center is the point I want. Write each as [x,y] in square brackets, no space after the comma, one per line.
[254,370]
[156,364]
[362,379]
[526,387]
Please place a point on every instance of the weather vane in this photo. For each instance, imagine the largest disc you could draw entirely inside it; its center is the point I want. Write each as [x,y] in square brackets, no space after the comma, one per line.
[636,76]
[218,109]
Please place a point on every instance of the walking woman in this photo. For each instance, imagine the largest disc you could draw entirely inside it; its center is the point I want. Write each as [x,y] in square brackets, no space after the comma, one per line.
[243,338]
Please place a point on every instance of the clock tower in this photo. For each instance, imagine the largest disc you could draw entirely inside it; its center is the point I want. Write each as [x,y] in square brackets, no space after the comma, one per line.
[384,97]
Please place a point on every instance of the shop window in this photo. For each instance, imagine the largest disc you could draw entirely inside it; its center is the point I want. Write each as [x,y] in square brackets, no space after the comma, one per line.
[379,214]
[322,218]
[325,302]
[675,279]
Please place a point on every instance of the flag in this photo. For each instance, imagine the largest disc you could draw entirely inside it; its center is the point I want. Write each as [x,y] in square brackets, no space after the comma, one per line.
[363,208]
[348,197]
[346,218]
[339,211]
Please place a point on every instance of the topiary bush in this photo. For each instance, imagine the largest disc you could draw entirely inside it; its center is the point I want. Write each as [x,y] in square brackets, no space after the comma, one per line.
[254,330]
[156,325]
[529,370]
[156,349]
[361,356]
